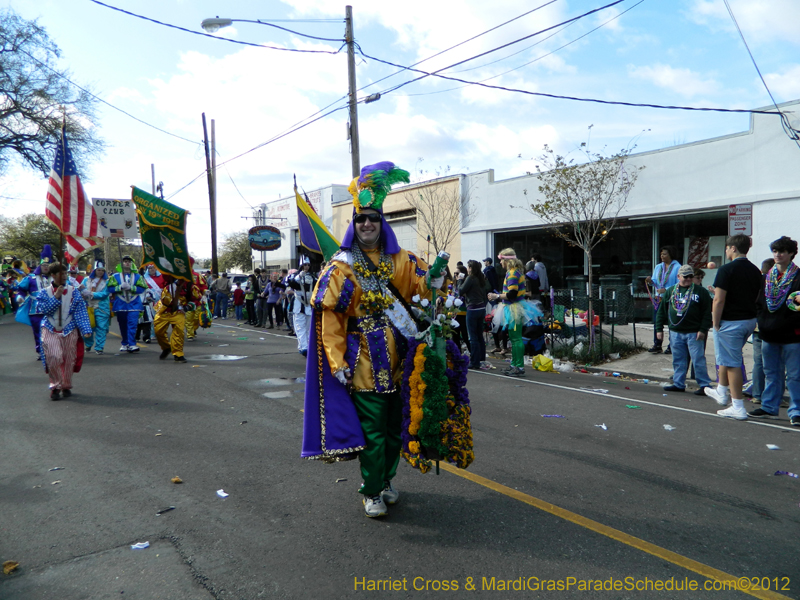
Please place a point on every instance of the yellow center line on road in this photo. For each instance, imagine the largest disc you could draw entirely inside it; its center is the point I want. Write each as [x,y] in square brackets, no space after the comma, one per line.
[615,534]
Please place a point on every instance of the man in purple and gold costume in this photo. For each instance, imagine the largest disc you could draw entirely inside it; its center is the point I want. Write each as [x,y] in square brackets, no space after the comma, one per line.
[359,333]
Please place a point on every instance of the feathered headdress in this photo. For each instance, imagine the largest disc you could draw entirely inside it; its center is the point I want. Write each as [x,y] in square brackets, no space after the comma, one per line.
[375,183]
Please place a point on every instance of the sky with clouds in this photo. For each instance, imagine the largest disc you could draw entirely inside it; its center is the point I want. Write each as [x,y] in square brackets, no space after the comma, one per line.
[680,52]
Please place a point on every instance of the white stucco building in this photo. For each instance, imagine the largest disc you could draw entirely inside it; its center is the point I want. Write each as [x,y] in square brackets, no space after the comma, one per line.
[681,199]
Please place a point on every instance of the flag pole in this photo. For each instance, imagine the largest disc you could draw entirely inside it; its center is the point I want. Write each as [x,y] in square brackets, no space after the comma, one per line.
[63,170]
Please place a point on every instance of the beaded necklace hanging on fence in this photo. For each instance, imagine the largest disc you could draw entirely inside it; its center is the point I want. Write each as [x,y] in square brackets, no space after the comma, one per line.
[680,303]
[777,286]
[374,292]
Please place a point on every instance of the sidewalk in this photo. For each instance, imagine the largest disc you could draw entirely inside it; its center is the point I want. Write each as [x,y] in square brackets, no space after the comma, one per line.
[657,367]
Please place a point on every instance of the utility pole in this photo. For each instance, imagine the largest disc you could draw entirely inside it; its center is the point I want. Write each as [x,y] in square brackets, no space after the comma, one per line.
[212,201]
[153,177]
[355,153]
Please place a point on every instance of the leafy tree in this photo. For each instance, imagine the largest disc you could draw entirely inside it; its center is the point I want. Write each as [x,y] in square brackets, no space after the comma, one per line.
[236,253]
[582,202]
[25,236]
[442,208]
[35,98]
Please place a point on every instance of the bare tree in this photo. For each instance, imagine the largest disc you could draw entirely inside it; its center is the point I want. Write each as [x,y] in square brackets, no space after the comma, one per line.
[442,207]
[581,202]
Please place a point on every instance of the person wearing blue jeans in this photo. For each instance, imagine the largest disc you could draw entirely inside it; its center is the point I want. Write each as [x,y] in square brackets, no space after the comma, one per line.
[221,288]
[473,293]
[757,387]
[733,315]
[779,328]
[665,275]
[686,309]
[126,288]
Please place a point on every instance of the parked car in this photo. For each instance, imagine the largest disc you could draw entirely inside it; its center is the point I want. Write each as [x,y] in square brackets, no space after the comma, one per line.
[237,280]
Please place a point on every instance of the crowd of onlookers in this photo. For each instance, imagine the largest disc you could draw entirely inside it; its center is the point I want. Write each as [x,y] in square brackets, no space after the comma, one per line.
[747,301]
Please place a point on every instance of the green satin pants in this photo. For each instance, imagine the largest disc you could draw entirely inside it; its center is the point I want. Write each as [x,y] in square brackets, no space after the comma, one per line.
[517,347]
[381,418]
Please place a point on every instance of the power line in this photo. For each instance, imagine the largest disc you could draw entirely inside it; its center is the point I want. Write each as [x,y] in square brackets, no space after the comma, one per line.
[461,62]
[266,143]
[68,80]
[538,58]
[793,134]
[460,43]
[157,22]
[561,97]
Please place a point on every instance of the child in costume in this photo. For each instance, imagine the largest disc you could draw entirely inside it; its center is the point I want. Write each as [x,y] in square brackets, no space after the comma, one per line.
[358,336]
[94,290]
[64,314]
[126,287]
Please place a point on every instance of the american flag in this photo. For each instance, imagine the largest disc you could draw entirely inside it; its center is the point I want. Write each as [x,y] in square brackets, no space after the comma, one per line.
[67,205]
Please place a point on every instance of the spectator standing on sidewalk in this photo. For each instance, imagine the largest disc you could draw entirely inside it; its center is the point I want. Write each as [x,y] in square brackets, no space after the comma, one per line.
[222,287]
[238,303]
[686,310]
[736,290]
[261,297]
[757,387]
[273,292]
[250,299]
[664,275]
[491,274]
[779,327]
[473,291]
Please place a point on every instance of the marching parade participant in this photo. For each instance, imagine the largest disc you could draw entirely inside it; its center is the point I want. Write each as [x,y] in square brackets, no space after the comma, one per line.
[193,317]
[177,297]
[64,314]
[30,286]
[303,284]
[94,290]
[359,331]
[126,288]
[155,283]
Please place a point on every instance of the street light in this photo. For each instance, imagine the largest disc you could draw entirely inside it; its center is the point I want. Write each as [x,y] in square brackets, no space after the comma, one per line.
[217,23]
[214,25]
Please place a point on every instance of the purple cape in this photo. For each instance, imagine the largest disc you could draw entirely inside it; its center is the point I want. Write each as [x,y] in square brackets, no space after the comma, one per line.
[331,429]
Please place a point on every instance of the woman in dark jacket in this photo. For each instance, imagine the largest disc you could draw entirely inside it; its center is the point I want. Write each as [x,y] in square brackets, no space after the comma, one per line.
[473,292]
[250,294]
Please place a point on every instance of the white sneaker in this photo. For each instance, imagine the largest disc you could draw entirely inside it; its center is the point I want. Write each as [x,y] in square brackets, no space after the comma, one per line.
[712,392]
[740,414]
[374,506]
[133,348]
[389,494]
[123,348]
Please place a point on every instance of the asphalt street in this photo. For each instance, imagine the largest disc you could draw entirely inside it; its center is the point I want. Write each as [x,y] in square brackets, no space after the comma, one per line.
[666,491]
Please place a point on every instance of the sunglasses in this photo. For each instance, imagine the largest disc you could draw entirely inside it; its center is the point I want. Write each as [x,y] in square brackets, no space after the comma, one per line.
[686,276]
[372,218]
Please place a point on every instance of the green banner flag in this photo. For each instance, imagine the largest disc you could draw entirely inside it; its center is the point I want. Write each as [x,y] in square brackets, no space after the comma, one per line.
[163,229]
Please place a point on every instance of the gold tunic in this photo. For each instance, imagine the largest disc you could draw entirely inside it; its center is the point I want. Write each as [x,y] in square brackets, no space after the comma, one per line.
[337,297]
